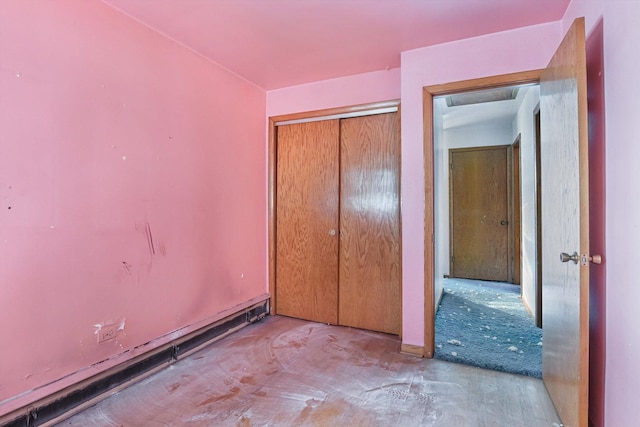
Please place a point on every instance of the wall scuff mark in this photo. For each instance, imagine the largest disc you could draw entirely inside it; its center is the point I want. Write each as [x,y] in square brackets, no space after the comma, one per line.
[127,267]
[147,229]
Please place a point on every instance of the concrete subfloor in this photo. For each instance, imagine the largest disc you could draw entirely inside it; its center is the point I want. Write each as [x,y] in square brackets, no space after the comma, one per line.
[290,372]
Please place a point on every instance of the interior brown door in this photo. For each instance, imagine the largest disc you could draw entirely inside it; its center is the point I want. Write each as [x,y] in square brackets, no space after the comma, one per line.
[369,296]
[565,228]
[479,215]
[307,220]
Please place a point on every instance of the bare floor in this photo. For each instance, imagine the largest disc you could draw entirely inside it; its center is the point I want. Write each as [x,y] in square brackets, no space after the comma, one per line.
[289,372]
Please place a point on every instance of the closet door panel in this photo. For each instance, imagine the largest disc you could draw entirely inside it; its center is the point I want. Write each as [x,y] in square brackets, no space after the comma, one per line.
[307,220]
[369,292]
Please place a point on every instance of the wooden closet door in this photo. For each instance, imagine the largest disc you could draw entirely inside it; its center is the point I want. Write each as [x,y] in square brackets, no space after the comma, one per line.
[370,295]
[307,221]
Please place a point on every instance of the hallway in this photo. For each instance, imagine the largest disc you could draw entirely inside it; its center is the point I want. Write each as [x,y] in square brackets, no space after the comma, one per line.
[486,324]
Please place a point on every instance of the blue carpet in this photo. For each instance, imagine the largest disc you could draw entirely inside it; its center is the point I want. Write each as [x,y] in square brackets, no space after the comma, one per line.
[485,324]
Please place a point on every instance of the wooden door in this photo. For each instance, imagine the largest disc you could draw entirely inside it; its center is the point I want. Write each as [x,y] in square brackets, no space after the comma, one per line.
[307,220]
[479,232]
[565,227]
[370,285]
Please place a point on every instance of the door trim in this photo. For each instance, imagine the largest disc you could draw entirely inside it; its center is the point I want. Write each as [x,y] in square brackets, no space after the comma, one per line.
[538,140]
[428,93]
[271,177]
[515,220]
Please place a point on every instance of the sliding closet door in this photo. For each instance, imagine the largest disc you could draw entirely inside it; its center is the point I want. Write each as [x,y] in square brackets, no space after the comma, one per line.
[307,220]
[369,295]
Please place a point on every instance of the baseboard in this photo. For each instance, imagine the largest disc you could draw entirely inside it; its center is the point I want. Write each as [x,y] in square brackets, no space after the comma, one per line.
[526,306]
[412,350]
[439,300]
[63,404]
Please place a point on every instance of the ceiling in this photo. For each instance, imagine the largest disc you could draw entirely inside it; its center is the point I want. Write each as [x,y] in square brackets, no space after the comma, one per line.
[500,112]
[279,43]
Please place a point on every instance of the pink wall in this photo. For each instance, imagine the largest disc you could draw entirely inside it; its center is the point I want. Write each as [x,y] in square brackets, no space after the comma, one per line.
[112,133]
[341,92]
[522,49]
[622,105]
[132,188]
[622,36]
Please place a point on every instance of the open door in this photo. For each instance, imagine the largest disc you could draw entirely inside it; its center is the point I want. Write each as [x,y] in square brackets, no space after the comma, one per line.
[565,228]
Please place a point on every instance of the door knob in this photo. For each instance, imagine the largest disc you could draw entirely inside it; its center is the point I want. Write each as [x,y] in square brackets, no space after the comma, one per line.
[332,232]
[596,259]
[503,222]
[586,259]
[564,257]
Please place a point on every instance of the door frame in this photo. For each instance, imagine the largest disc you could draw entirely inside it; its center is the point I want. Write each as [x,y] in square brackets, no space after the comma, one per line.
[538,142]
[515,215]
[428,93]
[315,115]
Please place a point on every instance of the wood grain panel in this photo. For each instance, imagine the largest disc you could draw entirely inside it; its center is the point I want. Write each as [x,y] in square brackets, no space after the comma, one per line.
[430,302]
[479,213]
[501,80]
[370,223]
[307,211]
[271,177]
[273,121]
[565,227]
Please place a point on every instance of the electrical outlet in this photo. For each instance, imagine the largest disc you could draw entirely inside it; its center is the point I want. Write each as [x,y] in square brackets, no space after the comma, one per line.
[107,332]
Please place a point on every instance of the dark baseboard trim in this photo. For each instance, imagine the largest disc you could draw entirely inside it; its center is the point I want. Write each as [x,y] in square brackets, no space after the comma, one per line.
[152,361]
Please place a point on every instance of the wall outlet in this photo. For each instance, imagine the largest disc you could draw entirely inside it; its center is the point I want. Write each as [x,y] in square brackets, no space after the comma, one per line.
[107,332]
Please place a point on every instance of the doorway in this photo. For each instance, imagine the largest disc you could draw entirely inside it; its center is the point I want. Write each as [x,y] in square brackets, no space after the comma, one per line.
[565,211]
[484,182]
[436,170]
